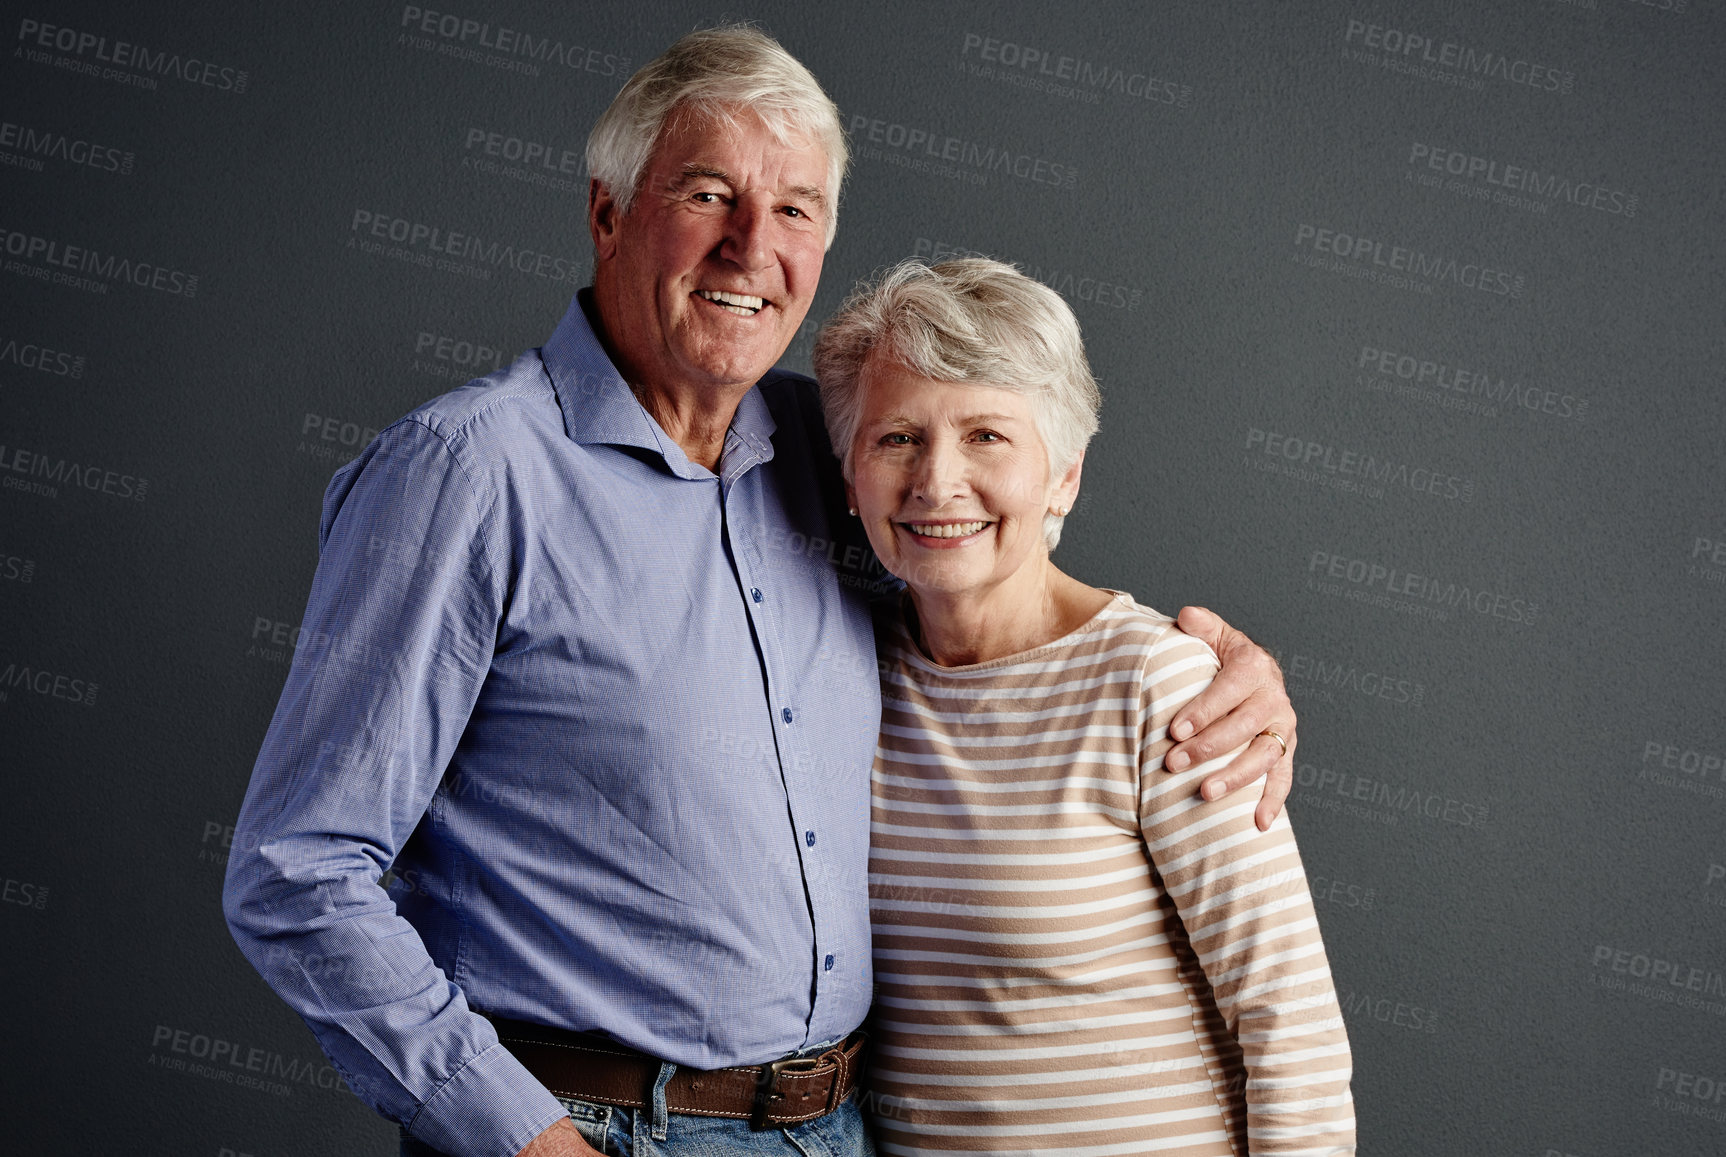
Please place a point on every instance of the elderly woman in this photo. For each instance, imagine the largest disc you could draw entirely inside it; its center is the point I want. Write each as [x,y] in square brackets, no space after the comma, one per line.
[1074,952]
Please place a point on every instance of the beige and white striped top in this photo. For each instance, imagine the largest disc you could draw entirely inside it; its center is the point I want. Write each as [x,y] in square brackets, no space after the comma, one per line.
[1074,954]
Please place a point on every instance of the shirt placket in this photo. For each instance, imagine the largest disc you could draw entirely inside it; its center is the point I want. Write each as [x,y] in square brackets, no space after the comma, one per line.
[766,590]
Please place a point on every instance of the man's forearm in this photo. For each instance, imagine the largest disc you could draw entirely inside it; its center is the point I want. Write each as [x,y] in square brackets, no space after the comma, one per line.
[326,938]
[394,647]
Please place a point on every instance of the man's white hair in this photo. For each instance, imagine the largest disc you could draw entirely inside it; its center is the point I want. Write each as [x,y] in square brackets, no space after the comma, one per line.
[721,73]
[974,321]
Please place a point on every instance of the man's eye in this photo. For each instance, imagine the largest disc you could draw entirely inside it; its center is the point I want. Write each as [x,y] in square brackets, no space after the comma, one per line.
[794,211]
[705,198]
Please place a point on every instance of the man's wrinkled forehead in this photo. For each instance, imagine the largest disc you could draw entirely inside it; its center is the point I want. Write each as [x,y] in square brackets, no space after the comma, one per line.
[705,122]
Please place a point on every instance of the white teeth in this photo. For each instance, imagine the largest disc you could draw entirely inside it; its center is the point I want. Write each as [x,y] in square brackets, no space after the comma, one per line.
[740,304]
[947,529]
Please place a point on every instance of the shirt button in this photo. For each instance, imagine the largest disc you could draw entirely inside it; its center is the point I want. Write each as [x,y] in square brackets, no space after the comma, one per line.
[809,838]
[785,714]
[829,962]
[755,593]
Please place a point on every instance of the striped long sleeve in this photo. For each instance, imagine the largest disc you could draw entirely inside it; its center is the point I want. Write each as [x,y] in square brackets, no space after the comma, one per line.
[1246,933]
[1073,954]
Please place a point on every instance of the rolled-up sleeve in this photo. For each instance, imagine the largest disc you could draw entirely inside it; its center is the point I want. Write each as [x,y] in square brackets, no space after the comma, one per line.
[396,642]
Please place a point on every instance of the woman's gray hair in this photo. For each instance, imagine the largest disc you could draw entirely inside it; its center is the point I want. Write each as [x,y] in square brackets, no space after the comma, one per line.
[719,73]
[970,320]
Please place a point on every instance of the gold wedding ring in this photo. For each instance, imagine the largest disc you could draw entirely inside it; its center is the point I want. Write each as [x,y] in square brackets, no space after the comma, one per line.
[1280,740]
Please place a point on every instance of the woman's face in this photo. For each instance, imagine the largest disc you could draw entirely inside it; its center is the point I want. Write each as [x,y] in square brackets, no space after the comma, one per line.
[952,481]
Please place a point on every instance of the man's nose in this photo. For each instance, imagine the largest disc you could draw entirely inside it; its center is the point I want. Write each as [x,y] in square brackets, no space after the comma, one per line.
[747,241]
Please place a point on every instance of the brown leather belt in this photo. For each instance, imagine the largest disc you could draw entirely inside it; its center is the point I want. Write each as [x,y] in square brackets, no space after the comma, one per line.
[770,1096]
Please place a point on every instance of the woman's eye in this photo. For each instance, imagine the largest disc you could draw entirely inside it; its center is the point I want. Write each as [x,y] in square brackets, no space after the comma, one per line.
[987,436]
[896,440]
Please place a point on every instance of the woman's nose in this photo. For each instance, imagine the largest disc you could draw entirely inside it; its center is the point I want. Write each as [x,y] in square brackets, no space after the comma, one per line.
[940,474]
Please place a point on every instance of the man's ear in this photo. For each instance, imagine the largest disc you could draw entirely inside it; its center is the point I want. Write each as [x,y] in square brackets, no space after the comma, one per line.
[602,216]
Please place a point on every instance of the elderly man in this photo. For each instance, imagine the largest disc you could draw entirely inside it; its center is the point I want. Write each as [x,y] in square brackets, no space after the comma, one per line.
[586,667]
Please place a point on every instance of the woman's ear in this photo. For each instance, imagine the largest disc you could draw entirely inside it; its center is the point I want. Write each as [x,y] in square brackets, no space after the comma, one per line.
[1065,492]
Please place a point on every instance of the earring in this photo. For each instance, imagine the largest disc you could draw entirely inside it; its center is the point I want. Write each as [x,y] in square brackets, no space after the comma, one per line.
[1059,511]
[852,511]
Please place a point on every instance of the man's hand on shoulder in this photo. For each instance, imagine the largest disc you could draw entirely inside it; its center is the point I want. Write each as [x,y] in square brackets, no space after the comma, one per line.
[1245,700]
[562,1139]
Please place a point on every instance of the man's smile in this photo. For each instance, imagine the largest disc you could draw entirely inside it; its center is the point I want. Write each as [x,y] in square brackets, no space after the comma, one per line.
[740,304]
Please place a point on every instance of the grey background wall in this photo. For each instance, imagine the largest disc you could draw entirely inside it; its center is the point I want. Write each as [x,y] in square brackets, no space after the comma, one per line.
[1409,320]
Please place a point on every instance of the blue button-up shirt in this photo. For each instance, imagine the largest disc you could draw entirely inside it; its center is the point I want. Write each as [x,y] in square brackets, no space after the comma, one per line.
[607,718]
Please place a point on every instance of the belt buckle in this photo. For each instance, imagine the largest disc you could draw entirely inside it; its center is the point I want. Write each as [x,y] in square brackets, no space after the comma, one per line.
[767,1088]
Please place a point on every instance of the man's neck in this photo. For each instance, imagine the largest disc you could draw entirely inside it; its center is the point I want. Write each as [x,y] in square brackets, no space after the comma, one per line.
[697,424]
[695,416]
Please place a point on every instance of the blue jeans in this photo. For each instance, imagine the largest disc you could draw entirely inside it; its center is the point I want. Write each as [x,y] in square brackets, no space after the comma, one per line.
[654,1132]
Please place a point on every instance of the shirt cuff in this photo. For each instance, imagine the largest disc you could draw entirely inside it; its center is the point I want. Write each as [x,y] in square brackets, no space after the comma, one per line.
[491,1107]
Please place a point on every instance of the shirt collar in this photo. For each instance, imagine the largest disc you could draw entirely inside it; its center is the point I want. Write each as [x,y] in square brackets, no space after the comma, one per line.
[598,405]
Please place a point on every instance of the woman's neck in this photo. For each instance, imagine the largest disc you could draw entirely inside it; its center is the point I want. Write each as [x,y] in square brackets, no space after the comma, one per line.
[957,630]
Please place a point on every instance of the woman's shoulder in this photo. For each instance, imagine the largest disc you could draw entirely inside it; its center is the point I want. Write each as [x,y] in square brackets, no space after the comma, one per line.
[1161,643]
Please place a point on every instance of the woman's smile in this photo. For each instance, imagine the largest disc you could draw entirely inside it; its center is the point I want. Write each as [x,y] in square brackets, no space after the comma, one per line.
[947,534]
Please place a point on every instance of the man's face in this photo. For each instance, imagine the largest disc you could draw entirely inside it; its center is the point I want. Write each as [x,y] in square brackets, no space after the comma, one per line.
[707,277]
